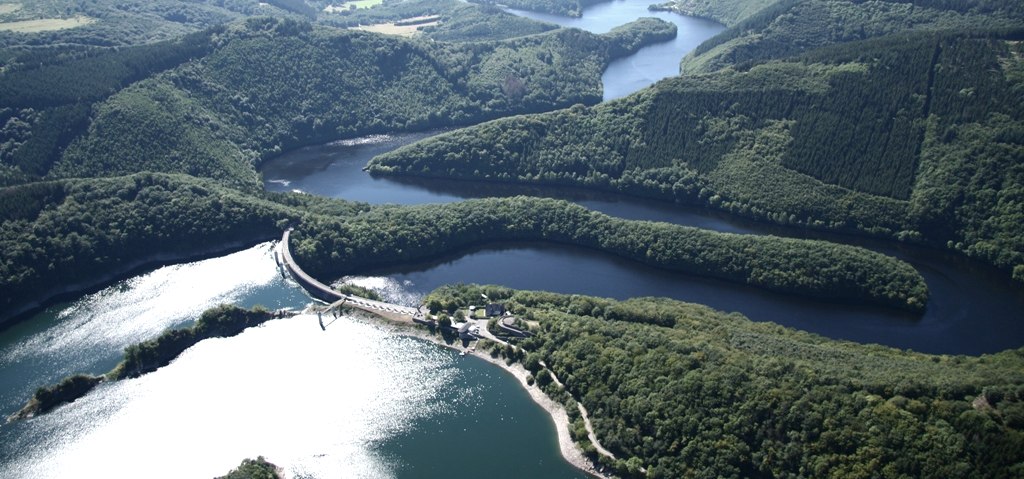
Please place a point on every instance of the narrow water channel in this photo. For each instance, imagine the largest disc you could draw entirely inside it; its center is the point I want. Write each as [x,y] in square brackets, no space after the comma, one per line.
[650,64]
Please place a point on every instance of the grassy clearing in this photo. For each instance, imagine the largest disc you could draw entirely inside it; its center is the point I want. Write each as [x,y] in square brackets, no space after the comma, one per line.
[46,24]
[9,8]
[405,28]
[356,3]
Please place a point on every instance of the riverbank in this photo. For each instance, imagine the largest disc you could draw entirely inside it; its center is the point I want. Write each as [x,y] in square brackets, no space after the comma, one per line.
[570,451]
[568,448]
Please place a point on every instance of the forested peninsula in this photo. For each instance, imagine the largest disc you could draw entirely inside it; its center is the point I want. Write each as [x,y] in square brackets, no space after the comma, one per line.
[905,132]
[219,322]
[680,390]
[77,232]
[398,235]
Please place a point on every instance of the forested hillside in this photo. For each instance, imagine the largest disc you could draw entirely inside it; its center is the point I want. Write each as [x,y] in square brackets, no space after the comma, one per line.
[681,390]
[726,12]
[127,22]
[326,247]
[119,23]
[791,27]
[72,234]
[912,136]
[75,232]
[569,8]
[46,95]
[456,21]
[219,112]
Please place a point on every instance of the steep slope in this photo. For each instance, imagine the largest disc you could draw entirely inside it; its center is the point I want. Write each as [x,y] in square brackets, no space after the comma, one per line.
[219,114]
[791,27]
[910,136]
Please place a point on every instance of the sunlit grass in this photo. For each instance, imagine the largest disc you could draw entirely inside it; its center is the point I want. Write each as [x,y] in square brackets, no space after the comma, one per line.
[46,24]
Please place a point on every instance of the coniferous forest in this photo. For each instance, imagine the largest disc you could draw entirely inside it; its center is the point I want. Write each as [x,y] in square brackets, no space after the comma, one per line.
[132,134]
[932,157]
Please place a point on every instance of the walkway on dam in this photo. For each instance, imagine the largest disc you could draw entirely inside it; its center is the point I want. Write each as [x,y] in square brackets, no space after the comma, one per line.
[326,293]
[336,299]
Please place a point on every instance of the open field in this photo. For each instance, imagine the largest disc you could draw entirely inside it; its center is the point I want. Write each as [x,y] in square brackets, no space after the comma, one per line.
[405,28]
[46,24]
[356,3]
[9,7]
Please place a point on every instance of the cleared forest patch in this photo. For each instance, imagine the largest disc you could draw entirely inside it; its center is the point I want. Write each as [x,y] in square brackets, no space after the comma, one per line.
[9,8]
[405,28]
[46,24]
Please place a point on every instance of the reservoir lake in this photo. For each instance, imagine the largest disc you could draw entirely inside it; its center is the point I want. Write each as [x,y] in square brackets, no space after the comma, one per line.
[972,308]
[360,400]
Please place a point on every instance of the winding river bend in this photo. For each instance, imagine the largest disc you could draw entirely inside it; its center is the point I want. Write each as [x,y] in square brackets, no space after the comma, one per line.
[972,309]
[650,64]
[361,401]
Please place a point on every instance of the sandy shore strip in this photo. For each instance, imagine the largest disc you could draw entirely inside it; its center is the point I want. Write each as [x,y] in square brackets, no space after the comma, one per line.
[572,454]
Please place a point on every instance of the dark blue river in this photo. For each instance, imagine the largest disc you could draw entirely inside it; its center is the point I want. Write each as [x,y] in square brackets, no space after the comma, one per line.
[972,309]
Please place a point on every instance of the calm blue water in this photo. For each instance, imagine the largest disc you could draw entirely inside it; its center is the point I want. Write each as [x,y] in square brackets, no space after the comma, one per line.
[650,64]
[972,309]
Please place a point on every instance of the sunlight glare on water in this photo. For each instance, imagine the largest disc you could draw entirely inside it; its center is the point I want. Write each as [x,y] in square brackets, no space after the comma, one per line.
[313,402]
[145,305]
[389,289]
[89,334]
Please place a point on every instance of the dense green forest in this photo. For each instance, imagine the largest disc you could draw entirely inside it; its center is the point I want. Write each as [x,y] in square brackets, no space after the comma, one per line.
[726,12]
[456,21]
[258,468]
[62,233]
[46,95]
[213,112]
[792,27]
[681,390]
[119,23]
[326,247]
[934,156]
[570,8]
[59,234]
[46,399]
[129,22]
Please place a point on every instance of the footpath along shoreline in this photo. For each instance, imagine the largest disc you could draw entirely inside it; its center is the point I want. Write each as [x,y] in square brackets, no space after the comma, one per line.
[405,325]
[570,451]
